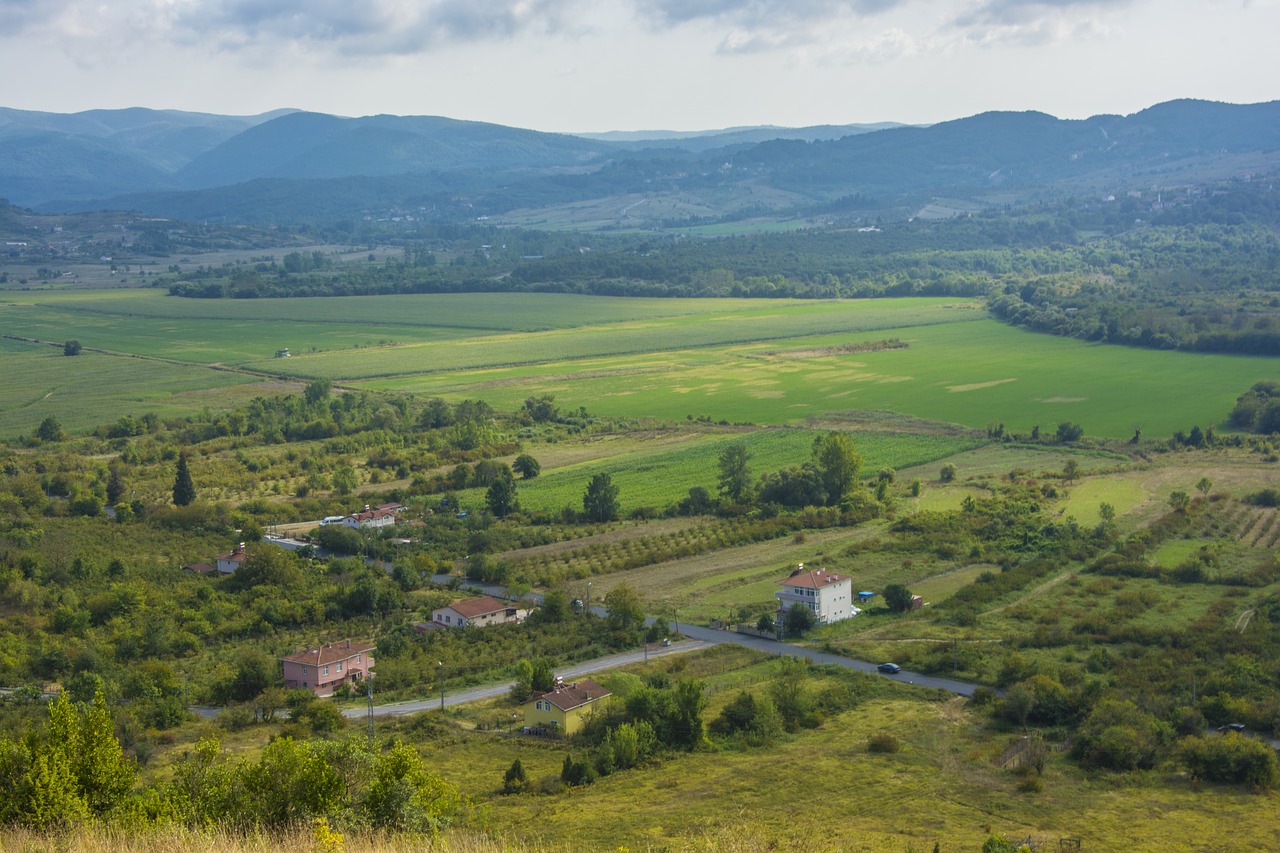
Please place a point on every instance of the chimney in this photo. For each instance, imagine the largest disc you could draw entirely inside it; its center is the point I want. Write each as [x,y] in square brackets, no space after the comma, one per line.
[348,644]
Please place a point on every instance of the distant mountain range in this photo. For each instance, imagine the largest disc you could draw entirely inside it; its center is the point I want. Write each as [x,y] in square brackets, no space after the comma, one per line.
[291,166]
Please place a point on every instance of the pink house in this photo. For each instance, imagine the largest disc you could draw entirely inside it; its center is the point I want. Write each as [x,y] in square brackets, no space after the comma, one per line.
[324,669]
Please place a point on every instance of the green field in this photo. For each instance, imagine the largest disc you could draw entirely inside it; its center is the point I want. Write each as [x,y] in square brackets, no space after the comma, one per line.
[649,478]
[91,389]
[970,373]
[750,361]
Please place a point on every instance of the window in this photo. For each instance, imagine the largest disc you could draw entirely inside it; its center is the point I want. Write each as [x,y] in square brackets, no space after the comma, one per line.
[324,670]
[339,666]
[306,669]
[538,704]
[357,658]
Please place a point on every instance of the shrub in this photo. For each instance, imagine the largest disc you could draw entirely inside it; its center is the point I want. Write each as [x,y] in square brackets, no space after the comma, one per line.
[883,742]
[1230,759]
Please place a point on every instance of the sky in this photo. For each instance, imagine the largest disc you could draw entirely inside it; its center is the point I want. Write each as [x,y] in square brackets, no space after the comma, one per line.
[597,65]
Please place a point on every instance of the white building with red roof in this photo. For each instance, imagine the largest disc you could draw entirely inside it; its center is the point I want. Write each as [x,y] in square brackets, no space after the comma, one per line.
[482,611]
[827,595]
[323,669]
[381,516]
[229,562]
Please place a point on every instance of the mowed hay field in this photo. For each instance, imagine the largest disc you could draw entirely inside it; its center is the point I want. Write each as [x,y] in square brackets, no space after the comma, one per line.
[753,361]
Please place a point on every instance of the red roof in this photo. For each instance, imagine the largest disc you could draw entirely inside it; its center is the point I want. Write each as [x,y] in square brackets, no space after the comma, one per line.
[566,697]
[473,607]
[329,654]
[370,514]
[812,578]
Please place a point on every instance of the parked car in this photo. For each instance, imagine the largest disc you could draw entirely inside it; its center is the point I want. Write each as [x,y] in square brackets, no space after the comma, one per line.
[889,668]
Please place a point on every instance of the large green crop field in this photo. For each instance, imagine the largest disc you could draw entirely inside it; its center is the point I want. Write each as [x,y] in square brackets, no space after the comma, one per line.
[92,389]
[754,361]
[970,373]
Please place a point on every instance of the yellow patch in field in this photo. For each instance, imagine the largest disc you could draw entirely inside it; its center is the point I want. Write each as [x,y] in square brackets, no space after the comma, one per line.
[976,385]
[1063,399]
[766,395]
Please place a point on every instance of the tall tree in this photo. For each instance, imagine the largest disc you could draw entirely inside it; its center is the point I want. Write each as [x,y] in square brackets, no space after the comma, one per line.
[115,484]
[50,429]
[897,597]
[501,497]
[600,503]
[316,391]
[184,490]
[624,611]
[735,476]
[541,409]
[838,464]
[526,466]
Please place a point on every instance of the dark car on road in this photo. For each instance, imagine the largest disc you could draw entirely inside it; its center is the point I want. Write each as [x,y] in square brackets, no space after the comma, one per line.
[889,668]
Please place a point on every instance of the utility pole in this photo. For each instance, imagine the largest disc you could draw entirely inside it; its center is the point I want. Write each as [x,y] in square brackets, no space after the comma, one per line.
[442,685]
[369,682]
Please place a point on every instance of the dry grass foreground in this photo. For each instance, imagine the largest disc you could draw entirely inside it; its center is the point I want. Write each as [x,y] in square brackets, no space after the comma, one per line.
[324,840]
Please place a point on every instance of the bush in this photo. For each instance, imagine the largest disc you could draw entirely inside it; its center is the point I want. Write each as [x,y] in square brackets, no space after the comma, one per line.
[883,742]
[1230,759]
[514,781]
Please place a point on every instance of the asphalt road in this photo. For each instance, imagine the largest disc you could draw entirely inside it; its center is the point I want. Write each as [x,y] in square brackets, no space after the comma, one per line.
[698,638]
[711,636]
[494,690]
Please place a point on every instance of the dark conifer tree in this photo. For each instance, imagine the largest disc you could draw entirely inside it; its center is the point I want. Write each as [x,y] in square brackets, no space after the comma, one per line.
[184,491]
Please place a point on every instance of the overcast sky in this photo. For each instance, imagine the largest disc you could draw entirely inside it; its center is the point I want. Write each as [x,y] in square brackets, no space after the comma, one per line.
[593,65]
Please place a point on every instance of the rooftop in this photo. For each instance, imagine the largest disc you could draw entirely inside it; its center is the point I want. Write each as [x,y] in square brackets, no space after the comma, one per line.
[473,607]
[330,653]
[812,578]
[566,697]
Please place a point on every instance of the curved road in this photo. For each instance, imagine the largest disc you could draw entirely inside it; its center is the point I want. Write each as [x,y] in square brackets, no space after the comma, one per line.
[698,638]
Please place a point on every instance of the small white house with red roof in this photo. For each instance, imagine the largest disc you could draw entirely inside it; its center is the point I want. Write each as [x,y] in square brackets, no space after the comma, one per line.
[482,611]
[323,669]
[229,562]
[827,595]
[383,516]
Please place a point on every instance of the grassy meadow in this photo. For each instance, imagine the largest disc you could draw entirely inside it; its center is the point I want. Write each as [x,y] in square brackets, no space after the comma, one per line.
[749,361]
[94,389]
[649,476]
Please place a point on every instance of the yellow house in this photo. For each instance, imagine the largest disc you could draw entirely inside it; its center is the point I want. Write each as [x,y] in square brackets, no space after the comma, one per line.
[564,708]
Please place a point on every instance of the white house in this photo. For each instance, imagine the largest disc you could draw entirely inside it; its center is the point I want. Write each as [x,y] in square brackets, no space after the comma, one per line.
[229,562]
[383,516]
[827,595]
[481,611]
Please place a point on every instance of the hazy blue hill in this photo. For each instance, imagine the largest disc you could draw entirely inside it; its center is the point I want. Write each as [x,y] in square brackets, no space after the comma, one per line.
[311,145]
[262,151]
[416,162]
[1190,126]
[1017,149]
[96,153]
[46,165]
[706,140]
